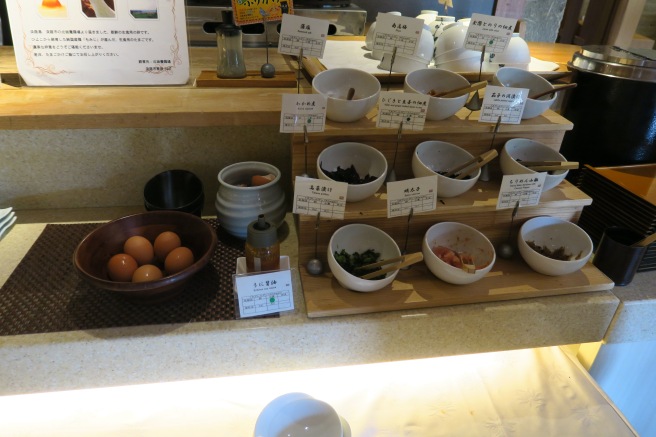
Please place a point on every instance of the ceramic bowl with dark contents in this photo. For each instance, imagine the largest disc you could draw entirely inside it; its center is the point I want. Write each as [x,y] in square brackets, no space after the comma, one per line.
[437,158]
[553,246]
[361,166]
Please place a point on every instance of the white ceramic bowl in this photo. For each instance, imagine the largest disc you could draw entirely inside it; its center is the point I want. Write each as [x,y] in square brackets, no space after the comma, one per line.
[462,239]
[359,238]
[554,233]
[402,63]
[306,417]
[271,409]
[450,46]
[516,54]
[335,84]
[237,206]
[369,37]
[427,15]
[519,78]
[523,149]
[424,50]
[367,160]
[427,79]
[465,65]
[436,27]
[299,414]
[431,157]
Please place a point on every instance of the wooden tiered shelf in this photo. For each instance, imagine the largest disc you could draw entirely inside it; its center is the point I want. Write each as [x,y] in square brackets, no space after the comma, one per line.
[417,287]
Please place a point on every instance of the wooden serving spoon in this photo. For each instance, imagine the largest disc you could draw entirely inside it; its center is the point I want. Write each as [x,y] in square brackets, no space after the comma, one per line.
[350,94]
[460,91]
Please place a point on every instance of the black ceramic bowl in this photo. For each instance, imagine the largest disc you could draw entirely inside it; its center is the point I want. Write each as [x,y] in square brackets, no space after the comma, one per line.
[95,250]
[174,190]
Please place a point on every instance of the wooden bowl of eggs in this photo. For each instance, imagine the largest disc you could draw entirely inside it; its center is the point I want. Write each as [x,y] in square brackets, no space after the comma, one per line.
[147,256]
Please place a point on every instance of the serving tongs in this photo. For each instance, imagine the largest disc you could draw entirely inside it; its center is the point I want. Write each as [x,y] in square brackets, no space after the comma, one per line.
[476,162]
[550,165]
[398,262]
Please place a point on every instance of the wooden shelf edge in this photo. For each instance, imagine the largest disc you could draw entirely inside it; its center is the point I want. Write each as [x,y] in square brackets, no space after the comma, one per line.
[418,288]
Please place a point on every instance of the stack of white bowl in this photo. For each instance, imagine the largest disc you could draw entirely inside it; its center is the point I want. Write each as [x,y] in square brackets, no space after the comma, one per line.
[404,63]
[450,52]
[516,54]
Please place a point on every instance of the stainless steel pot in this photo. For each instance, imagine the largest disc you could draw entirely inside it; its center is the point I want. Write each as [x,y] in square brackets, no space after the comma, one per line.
[613,108]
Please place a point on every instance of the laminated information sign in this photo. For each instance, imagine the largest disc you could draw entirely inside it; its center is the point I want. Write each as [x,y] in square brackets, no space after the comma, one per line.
[100,42]
[257,11]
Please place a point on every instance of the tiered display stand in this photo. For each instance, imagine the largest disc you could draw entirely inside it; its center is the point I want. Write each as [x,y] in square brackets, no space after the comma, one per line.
[417,287]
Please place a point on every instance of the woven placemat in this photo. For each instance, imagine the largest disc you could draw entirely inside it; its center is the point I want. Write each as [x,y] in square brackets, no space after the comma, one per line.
[45,294]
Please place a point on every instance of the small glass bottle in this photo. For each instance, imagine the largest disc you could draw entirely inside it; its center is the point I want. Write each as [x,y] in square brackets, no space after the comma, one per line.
[262,247]
[230,63]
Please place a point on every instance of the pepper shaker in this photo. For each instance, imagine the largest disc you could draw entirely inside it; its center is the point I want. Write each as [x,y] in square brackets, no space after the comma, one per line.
[230,63]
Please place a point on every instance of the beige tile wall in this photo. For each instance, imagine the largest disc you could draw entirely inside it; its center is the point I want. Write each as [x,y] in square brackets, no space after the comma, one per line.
[109,167]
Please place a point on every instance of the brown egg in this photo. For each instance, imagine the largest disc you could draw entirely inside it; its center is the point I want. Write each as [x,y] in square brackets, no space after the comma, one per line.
[146,273]
[121,267]
[178,259]
[140,249]
[165,243]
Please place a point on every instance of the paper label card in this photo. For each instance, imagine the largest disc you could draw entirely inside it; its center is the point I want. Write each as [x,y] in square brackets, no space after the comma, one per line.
[300,110]
[314,196]
[257,11]
[525,188]
[418,195]
[409,108]
[99,42]
[299,32]
[400,32]
[505,102]
[491,32]
[264,293]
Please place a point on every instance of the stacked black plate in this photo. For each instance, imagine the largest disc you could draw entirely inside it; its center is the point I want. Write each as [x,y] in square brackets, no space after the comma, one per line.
[621,196]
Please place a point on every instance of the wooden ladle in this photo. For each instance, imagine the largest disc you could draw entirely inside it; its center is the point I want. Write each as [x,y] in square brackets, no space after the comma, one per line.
[557,88]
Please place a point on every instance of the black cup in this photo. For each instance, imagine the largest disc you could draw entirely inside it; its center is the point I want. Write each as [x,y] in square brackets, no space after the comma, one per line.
[175,190]
[616,257]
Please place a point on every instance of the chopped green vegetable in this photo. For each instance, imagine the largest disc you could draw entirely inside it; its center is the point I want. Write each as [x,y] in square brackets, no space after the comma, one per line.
[349,175]
[353,263]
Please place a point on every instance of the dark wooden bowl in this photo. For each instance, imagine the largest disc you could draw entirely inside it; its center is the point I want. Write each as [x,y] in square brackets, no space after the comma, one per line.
[95,250]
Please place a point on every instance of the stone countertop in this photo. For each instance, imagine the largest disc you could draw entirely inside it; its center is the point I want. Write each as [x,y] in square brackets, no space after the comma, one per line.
[634,319]
[158,353]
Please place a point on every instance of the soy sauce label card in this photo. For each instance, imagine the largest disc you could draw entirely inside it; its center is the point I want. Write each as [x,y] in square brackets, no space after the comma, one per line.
[416,195]
[314,196]
[491,32]
[300,110]
[409,108]
[400,32]
[264,293]
[505,102]
[299,32]
[522,188]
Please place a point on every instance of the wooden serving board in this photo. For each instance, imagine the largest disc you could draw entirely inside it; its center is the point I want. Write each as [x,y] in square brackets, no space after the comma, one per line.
[253,79]
[313,66]
[419,288]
